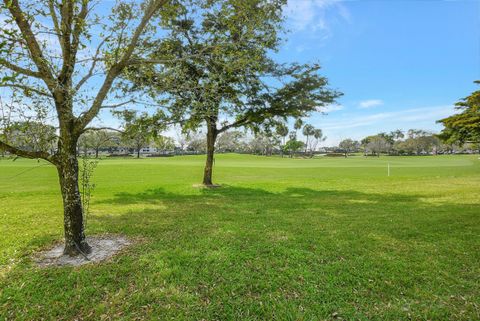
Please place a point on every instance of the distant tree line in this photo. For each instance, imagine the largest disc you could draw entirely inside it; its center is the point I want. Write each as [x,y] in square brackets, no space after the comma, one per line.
[410,142]
[136,141]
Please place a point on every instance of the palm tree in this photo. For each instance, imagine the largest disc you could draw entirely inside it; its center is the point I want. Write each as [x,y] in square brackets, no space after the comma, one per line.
[298,124]
[318,135]
[308,130]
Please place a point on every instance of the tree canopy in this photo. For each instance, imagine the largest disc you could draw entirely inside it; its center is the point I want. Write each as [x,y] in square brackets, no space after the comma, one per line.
[464,127]
[218,70]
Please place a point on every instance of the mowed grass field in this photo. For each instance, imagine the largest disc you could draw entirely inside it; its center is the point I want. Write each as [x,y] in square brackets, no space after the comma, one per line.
[283,239]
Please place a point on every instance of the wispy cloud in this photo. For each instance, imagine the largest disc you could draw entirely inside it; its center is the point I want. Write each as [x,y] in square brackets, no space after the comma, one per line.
[370,103]
[314,15]
[413,115]
[357,126]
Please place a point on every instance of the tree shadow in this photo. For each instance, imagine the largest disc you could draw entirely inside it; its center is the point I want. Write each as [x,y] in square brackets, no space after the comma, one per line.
[237,250]
[392,213]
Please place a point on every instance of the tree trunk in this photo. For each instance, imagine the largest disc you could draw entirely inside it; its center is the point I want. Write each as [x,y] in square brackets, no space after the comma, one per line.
[138,152]
[96,152]
[211,137]
[67,168]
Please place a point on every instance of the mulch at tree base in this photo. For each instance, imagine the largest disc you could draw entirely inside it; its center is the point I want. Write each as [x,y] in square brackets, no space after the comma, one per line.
[103,248]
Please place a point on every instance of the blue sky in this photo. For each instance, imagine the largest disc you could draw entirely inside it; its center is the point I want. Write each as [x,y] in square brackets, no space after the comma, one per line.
[400,64]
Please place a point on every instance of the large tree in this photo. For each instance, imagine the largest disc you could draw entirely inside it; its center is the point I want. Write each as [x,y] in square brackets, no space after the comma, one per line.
[376,144]
[163,143]
[47,60]
[263,143]
[308,131]
[230,141]
[97,140]
[293,146]
[220,72]
[138,131]
[464,127]
[417,142]
[349,145]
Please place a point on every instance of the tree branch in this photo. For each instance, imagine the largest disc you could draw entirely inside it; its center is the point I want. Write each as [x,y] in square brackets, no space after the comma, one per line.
[66,13]
[77,29]
[101,128]
[240,122]
[119,104]
[24,153]
[92,67]
[26,89]
[71,38]
[21,70]
[117,68]
[36,53]
[56,25]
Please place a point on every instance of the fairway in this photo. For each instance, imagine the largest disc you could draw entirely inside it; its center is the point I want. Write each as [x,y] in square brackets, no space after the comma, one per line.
[286,239]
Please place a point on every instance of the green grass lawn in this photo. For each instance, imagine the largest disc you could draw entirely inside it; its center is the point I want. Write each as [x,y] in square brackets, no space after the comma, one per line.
[284,239]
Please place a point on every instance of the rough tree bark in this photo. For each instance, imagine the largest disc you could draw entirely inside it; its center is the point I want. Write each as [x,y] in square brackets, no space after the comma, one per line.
[66,162]
[59,88]
[73,222]
[211,138]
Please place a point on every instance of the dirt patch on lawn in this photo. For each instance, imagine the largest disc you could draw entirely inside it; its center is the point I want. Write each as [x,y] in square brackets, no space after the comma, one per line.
[206,186]
[103,248]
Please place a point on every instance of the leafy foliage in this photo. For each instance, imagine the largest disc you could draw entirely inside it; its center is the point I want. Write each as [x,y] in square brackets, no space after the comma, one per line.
[293,146]
[464,126]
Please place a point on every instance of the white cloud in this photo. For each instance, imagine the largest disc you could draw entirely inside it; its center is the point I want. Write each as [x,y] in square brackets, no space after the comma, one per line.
[370,103]
[358,126]
[312,14]
[413,115]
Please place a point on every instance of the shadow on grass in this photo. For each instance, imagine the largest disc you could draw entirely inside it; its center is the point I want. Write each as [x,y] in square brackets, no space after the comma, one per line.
[249,253]
[295,207]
